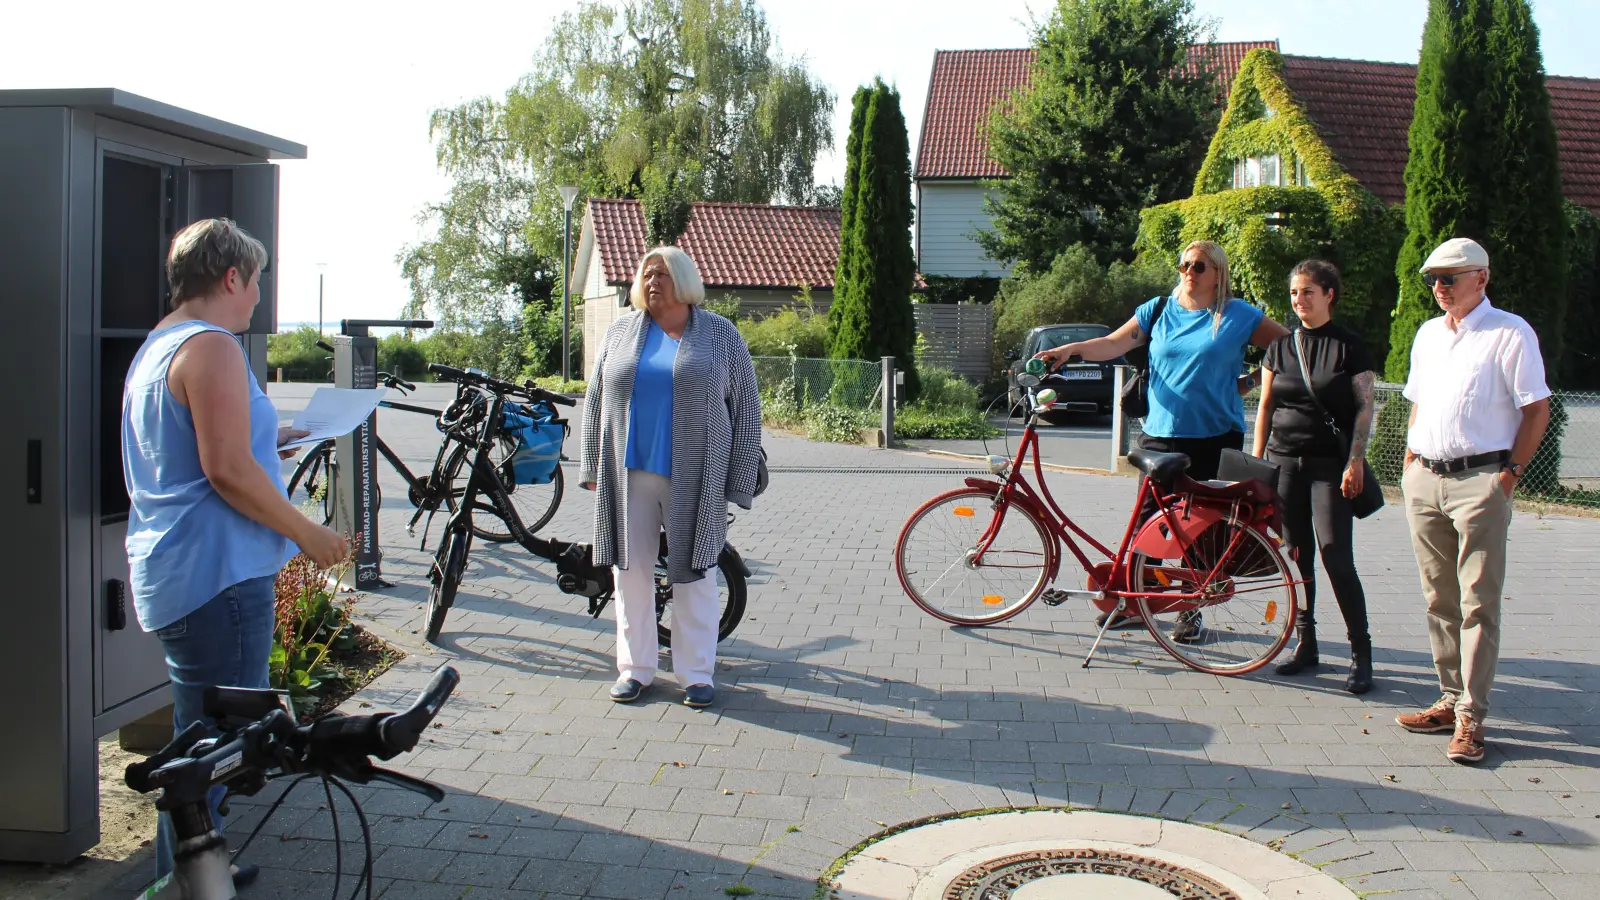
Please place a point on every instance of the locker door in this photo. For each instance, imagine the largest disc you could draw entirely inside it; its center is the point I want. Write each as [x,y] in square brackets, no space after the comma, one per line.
[248,195]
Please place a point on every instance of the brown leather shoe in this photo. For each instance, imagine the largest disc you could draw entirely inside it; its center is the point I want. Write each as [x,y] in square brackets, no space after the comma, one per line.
[1467,745]
[1439,717]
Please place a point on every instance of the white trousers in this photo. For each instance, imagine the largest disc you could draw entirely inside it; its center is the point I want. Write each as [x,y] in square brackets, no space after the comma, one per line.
[693,613]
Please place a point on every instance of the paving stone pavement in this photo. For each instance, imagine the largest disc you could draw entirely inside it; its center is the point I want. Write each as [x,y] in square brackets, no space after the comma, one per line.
[843,711]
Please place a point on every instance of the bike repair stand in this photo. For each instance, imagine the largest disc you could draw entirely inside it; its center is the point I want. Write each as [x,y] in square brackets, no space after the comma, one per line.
[355,478]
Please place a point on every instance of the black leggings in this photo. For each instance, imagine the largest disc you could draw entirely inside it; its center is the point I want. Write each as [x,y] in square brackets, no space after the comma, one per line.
[1317,516]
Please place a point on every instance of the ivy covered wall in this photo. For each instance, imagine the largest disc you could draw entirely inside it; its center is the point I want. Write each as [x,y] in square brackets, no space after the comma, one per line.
[1266,230]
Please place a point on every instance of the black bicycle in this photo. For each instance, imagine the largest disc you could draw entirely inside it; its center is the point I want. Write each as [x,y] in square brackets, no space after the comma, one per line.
[576,571]
[260,742]
[311,484]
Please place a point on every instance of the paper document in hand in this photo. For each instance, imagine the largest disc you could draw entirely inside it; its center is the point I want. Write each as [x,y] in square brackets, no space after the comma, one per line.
[334,412]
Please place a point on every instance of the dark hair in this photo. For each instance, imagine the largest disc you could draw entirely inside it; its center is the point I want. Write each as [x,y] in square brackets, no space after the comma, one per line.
[1323,274]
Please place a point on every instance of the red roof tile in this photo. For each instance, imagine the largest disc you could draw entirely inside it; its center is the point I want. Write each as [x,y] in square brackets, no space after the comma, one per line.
[748,245]
[1363,111]
[965,86]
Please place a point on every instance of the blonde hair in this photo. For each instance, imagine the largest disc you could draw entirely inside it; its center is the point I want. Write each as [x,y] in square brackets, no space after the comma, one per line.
[1217,258]
[685,275]
[202,254]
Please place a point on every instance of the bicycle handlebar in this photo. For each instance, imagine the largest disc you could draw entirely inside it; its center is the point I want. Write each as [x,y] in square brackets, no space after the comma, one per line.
[528,390]
[393,381]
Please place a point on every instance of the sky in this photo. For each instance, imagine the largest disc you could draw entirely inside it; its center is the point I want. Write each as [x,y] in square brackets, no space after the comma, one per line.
[354,81]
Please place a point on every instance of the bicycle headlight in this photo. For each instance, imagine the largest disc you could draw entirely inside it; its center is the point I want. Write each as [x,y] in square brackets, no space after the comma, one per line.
[999,465]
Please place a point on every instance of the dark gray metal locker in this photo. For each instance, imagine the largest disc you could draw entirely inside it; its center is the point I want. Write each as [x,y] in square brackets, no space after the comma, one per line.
[93,184]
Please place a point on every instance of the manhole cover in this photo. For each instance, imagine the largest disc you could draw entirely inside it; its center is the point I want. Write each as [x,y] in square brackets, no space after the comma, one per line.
[1049,874]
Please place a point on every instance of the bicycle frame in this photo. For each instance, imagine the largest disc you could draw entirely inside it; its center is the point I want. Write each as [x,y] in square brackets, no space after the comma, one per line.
[1109,582]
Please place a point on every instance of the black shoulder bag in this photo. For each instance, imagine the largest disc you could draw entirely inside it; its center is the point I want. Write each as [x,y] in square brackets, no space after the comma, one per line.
[1136,390]
[1370,500]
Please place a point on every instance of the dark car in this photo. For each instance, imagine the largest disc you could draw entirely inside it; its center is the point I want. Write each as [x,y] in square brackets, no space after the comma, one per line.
[1081,387]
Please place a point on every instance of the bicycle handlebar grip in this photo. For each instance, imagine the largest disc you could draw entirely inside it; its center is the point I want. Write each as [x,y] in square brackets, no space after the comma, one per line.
[326,346]
[449,372]
[538,393]
[400,732]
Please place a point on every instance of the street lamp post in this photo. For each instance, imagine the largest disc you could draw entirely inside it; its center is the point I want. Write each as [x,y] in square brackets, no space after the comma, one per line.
[321,269]
[569,193]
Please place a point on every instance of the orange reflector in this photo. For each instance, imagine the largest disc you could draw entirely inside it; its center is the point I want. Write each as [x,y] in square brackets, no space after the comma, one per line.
[993,600]
[1272,610]
[1162,577]
[964,512]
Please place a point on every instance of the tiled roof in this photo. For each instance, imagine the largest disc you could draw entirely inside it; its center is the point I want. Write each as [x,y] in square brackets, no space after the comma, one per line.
[747,245]
[966,84]
[1363,112]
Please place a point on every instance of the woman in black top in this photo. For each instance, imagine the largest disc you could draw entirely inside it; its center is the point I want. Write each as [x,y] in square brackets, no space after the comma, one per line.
[1319,474]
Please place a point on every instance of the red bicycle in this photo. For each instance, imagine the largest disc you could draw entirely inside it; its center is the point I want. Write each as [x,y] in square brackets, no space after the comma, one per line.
[1203,572]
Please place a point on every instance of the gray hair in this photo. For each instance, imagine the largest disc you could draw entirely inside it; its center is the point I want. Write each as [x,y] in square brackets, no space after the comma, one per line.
[202,254]
[1217,258]
[685,275]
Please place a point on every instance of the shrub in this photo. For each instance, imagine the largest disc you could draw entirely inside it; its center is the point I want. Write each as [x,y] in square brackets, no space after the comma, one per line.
[944,388]
[1077,288]
[554,384]
[950,422]
[297,354]
[726,306]
[310,626]
[402,356]
[794,330]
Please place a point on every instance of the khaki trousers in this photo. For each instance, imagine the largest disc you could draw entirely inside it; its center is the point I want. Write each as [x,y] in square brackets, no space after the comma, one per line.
[1458,533]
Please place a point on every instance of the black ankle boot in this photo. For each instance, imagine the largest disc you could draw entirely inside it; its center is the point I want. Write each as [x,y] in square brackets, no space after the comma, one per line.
[1305,652]
[1360,680]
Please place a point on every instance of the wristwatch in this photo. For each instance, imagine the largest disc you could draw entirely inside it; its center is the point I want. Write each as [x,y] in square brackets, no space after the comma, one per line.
[1513,468]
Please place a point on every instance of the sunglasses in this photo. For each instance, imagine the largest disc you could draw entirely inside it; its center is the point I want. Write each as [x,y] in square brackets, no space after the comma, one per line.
[1198,266]
[1447,280]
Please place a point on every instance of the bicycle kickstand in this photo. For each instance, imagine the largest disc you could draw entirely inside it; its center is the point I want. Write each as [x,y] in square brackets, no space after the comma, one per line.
[1110,618]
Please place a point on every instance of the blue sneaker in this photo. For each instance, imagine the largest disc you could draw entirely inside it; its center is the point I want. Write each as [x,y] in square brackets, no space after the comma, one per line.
[628,690]
[699,696]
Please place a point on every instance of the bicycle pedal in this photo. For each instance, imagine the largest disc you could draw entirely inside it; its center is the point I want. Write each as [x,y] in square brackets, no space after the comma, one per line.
[1054,597]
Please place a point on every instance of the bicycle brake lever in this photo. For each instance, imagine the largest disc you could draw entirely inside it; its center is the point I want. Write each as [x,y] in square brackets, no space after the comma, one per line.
[415,785]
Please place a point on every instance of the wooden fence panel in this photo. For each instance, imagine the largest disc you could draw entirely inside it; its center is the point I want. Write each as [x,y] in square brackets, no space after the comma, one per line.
[959,336]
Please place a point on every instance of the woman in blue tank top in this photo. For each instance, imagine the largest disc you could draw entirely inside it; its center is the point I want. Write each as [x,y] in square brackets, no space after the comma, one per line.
[209,523]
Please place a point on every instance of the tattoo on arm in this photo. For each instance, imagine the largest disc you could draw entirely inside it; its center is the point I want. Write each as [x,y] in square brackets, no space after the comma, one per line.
[1362,430]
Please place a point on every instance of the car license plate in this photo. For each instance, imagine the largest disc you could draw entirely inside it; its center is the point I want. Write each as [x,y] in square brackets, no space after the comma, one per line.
[1082,374]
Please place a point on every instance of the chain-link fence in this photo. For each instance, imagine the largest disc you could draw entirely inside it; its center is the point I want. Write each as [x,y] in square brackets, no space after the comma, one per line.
[1565,470]
[829,399]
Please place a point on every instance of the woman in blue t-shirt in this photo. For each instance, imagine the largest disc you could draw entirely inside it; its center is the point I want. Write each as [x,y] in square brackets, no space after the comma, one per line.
[1197,339]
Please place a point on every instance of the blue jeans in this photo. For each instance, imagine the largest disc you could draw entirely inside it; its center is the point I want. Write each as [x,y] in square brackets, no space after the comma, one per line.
[224,643]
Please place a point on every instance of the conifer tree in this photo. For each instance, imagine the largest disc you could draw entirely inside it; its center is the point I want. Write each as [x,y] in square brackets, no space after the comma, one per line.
[1483,164]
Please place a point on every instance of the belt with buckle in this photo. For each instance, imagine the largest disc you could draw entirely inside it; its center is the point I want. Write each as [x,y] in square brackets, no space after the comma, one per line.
[1463,463]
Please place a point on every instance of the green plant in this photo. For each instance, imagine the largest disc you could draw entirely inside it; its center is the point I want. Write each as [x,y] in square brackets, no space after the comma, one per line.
[1386,452]
[1484,165]
[739,890]
[836,424]
[942,422]
[726,306]
[1335,217]
[1116,119]
[1579,367]
[871,316]
[297,354]
[309,626]
[555,384]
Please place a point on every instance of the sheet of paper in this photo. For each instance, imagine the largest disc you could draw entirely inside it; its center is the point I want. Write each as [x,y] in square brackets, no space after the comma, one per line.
[334,412]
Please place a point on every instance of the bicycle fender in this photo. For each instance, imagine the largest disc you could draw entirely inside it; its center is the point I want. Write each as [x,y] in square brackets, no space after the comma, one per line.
[1156,541]
[728,552]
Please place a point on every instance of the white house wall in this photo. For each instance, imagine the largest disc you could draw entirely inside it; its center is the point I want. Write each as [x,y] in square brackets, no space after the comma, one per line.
[949,213]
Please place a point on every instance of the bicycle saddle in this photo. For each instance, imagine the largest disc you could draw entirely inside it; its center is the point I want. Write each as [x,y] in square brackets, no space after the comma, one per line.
[1163,468]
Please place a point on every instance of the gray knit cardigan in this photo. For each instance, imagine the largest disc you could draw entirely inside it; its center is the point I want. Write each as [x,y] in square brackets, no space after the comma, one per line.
[716,439]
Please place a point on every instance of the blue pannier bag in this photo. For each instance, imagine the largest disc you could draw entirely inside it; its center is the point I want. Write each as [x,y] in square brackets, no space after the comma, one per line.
[538,434]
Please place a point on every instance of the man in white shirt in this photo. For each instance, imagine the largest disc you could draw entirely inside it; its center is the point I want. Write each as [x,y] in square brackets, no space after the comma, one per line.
[1480,407]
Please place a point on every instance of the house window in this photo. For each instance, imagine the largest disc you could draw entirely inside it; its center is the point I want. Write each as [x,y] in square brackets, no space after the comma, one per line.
[1257,171]
[1301,177]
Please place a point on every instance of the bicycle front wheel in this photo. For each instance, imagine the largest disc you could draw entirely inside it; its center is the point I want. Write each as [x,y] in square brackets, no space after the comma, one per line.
[937,558]
[1246,611]
[449,563]
[311,485]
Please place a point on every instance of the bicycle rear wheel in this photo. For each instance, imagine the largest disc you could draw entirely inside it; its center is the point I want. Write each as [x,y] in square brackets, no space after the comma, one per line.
[449,563]
[1248,610]
[311,486]
[935,558]
[730,596]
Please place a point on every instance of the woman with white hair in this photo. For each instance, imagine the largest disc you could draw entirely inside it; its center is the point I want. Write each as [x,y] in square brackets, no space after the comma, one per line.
[1197,338]
[671,435]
